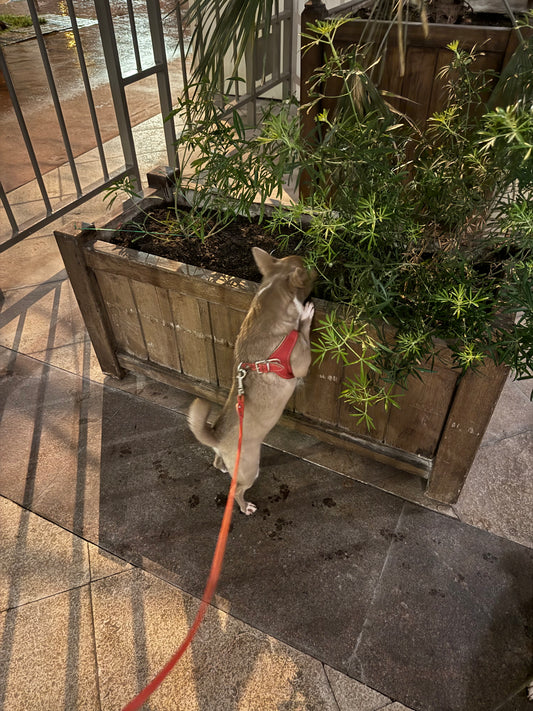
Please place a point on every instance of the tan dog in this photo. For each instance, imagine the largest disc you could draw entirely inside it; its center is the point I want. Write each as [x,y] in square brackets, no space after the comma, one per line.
[277,311]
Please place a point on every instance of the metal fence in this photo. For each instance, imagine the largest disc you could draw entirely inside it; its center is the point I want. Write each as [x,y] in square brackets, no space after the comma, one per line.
[65,94]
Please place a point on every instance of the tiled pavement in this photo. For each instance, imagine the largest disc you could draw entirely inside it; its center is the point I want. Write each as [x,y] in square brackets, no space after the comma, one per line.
[348,590]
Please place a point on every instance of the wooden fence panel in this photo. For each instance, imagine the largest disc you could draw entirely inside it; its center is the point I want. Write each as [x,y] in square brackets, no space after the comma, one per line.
[319,399]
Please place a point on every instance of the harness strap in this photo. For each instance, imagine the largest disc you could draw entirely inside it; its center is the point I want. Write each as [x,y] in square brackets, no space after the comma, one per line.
[279,361]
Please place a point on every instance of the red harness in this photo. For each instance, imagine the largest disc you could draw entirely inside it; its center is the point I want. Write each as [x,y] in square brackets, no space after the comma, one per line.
[279,361]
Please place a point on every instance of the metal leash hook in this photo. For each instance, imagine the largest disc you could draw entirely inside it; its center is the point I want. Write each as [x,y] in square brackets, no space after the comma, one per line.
[241,374]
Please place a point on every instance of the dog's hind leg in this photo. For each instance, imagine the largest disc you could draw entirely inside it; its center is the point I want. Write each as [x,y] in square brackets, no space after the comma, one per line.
[248,471]
[245,506]
[218,463]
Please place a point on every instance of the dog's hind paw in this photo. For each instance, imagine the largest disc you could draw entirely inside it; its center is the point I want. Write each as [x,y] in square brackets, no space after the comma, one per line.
[249,508]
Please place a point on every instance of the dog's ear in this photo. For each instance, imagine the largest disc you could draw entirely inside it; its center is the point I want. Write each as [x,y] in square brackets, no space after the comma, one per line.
[265,262]
[299,278]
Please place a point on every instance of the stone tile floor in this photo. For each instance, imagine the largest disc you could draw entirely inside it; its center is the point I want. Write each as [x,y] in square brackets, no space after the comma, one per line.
[349,590]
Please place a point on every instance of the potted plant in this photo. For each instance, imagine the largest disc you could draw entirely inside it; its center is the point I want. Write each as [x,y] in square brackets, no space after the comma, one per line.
[422,239]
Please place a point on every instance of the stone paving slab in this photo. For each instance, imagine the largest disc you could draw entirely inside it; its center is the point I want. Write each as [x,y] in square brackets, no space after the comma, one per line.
[403,599]
[88,636]
[454,603]
[48,658]
[229,665]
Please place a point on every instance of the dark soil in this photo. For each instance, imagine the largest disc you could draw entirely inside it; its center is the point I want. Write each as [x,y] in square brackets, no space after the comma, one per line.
[450,12]
[228,251]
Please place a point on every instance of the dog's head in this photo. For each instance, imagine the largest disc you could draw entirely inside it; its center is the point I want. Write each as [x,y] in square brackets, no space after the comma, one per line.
[290,271]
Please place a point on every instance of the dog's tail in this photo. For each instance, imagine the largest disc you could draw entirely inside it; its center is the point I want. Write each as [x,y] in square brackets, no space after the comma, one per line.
[197,416]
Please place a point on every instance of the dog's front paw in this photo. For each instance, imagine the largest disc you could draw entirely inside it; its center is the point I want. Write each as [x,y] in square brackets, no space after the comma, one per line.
[308,311]
[249,508]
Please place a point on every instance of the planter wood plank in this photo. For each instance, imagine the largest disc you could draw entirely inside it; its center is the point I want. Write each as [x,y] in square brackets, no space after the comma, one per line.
[349,423]
[90,301]
[225,323]
[417,424]
[178,324]
[193,334]
[123,314]
[470,413]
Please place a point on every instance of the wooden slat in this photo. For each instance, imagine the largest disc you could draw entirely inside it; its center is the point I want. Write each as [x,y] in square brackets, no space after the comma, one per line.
[438,90]
[418,82]
[155,315]
[90,302]
[319,399]
[391,72]
[417,425]
[472,408]
[122,312]
[193,336]
[226,324]
[377,412]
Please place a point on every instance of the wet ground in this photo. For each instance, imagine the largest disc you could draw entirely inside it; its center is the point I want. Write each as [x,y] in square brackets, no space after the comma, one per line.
[25,65]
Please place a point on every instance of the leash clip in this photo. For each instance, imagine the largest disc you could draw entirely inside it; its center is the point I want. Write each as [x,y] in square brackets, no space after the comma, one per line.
[241,374]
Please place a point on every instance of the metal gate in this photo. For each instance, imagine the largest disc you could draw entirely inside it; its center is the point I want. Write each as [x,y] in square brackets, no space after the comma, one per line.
[87,74]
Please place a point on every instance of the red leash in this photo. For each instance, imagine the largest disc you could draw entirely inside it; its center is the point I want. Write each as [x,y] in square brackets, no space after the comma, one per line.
[214,574]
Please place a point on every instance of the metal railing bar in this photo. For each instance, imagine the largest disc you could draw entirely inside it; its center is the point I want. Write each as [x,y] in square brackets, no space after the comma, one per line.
[222,78]
[87,86]
[132,78]
[116,84]
[287,61]
[245,99]
[9,212]
[276,29]
[24,130]
[183,51]
[251,107]
[236,84]
[29,227]
[163,84]
[55,97]
[281,16]
[134,39]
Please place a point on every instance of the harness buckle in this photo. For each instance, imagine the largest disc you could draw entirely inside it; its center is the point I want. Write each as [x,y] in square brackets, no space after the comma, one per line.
[267,363]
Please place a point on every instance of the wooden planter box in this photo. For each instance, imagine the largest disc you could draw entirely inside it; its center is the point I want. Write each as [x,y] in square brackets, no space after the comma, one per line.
[421,90]
[177,323]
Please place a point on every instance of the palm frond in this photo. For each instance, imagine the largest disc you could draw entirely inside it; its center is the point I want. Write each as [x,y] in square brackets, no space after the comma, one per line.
[225,28]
